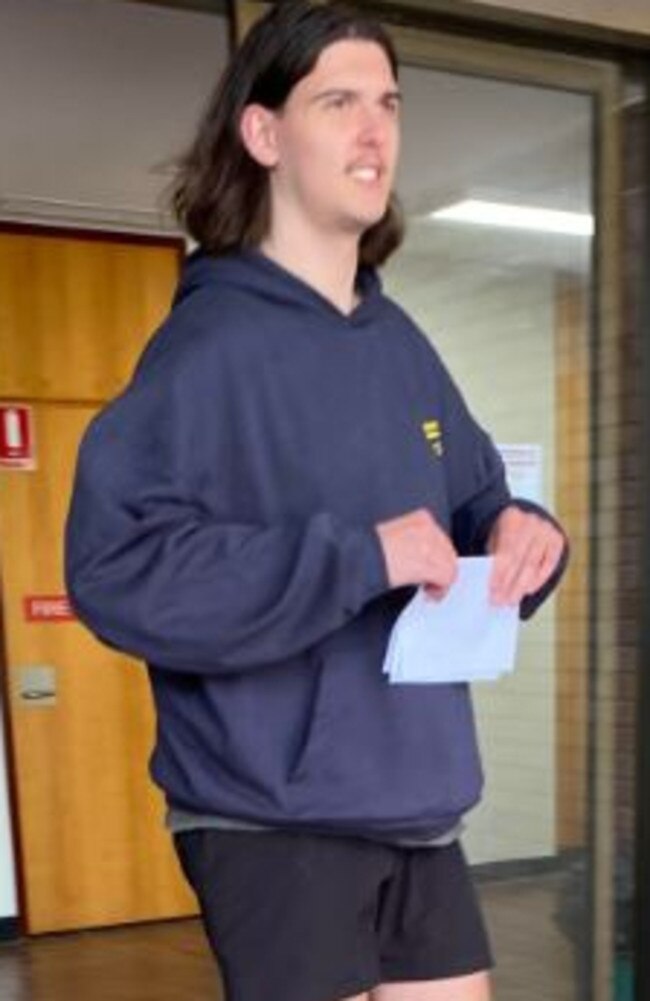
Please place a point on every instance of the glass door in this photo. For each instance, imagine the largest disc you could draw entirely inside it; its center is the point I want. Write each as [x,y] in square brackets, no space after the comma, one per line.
[508,267]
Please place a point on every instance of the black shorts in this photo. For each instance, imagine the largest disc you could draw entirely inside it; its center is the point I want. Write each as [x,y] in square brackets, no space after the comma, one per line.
[296,917]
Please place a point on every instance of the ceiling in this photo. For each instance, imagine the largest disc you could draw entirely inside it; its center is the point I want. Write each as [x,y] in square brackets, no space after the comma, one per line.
[99,96]
[473,137]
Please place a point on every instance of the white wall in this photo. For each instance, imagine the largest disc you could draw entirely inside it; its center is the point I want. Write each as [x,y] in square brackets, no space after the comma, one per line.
[495,333]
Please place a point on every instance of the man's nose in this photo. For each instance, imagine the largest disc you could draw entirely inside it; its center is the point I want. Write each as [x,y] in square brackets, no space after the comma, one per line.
[373,124]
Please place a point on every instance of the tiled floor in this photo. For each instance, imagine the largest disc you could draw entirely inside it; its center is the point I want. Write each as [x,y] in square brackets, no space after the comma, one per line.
[536,960]
[170,962]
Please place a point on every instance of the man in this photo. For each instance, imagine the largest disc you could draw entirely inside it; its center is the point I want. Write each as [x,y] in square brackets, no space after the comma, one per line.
[251,515]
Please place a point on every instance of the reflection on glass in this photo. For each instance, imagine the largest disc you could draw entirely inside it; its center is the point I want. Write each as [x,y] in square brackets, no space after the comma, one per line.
[496,267]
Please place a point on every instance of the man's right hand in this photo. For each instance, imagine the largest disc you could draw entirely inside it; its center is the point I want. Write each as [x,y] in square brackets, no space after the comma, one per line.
[418,552]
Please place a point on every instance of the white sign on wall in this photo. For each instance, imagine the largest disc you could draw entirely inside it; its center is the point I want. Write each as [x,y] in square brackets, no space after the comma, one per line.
[524,470]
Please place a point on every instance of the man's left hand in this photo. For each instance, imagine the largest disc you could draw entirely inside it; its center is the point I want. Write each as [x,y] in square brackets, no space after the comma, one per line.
[526,549]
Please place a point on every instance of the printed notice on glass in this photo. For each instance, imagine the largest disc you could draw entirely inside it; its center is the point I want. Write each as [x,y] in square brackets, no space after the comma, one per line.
[524,471]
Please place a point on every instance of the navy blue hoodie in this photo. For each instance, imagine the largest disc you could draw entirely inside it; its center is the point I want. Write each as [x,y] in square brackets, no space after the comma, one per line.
[222,529]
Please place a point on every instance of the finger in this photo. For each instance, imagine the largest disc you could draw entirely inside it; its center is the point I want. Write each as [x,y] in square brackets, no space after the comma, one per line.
[508,565]
[533,574]
[523,585]
[439,582]
[441,546]
[500,572]
[547,566]
[438,574]
[443,572]
[522,573]
[442,565]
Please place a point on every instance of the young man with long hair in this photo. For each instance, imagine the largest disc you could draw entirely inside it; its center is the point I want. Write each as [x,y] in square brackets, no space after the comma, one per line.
[253,512]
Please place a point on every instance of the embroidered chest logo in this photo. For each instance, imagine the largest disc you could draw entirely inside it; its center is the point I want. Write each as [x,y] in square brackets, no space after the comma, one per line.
[433,434]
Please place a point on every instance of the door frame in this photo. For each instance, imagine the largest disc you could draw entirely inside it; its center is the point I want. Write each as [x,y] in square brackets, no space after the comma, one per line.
[11,926]
[642,802]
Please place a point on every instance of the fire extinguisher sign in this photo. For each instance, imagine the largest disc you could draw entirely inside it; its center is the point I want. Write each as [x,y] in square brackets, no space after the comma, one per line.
[16,437]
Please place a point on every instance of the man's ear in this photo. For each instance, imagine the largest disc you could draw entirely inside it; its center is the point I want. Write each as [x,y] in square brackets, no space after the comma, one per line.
[257,128]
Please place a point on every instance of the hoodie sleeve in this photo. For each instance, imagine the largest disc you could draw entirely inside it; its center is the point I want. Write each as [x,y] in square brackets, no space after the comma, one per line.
[153,572]
[479,492]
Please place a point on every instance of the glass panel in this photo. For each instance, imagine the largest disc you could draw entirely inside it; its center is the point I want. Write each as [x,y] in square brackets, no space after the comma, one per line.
[509,311]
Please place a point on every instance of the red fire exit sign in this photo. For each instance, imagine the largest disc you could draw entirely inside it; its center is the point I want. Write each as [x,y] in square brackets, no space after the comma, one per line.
[16,437]
[47,608]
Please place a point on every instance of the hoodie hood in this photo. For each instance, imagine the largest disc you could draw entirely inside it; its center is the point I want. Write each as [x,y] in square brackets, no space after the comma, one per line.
[253,273]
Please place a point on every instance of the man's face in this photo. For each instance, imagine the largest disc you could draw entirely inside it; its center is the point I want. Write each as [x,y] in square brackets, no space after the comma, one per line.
[337,139]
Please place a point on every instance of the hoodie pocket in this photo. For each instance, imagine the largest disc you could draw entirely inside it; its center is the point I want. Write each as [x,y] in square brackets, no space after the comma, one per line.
[382,753]
[309,739]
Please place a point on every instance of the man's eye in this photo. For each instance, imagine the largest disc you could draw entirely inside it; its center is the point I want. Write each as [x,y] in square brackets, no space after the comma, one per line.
[339,102]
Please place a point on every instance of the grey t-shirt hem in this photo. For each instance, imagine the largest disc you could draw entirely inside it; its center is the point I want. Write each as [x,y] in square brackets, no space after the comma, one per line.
[178,821]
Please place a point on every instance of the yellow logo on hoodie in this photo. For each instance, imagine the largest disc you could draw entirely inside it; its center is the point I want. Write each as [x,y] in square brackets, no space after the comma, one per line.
[433,434]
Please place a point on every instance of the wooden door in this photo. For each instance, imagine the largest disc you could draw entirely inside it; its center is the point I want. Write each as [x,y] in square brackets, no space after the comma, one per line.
[75,313]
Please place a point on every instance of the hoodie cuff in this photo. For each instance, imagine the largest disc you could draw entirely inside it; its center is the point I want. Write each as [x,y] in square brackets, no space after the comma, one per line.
[368,573]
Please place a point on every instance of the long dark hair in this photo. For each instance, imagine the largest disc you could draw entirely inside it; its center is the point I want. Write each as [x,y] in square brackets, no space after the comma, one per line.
[221,194]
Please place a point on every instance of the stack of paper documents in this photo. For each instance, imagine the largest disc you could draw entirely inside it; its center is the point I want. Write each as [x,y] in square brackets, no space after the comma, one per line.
[463,637]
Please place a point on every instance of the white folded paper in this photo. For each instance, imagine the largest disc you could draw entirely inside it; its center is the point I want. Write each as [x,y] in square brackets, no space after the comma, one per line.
[463,637]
